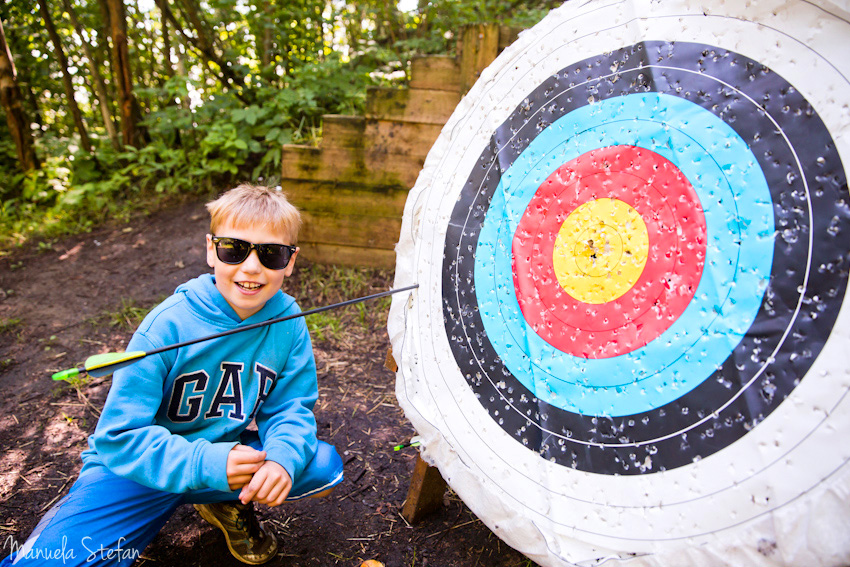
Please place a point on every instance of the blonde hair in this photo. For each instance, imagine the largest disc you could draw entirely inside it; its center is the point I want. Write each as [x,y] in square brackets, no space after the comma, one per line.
[248,205]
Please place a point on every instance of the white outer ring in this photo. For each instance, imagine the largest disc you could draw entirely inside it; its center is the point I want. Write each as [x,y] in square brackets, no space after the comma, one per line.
[779,496]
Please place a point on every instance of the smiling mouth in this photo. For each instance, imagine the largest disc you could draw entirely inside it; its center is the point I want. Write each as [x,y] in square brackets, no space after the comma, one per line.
[249,286]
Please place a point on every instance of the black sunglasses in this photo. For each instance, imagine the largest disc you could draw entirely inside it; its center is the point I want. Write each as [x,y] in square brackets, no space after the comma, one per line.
[235,251]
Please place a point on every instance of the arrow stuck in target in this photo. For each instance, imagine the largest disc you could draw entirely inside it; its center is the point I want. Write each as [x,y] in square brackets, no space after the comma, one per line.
[104,364]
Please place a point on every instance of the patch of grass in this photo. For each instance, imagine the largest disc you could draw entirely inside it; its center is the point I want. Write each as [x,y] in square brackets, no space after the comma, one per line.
[78,382]
[46,245]
[316,285]
[323,326]
[129,315]
[8,325]
[361,314]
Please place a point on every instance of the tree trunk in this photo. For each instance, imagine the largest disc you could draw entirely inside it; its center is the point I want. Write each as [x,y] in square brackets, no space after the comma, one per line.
[131,132]
[104,32]
[166,48]
[166,45]
[137,34]
[10,97]
[228,78]
[33,101]
[266,55]
[169,69]
[182,68]
[185,103]
[97,79]
[66,76]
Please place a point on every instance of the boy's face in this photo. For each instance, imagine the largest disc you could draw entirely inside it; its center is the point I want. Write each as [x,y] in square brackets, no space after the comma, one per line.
[249,285]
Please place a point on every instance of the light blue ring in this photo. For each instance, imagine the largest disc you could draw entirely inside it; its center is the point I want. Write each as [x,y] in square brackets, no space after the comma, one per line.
[739,253]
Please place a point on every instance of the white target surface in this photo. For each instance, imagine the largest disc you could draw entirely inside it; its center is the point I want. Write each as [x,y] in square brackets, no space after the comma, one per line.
[630,341]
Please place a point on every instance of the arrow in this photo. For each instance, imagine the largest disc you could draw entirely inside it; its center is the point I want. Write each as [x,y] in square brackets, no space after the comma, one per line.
[414,442]
[104,364]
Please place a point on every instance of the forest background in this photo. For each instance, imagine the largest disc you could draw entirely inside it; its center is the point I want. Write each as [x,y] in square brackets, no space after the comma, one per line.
[115,105]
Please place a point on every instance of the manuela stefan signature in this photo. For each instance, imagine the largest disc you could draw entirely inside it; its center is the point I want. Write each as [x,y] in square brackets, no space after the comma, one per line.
[62,553]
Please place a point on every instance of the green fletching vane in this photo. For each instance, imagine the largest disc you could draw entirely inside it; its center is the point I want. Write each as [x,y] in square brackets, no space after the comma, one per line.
[105,364]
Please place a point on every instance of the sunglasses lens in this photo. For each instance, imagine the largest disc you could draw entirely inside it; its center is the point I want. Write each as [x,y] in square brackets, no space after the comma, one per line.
[232,251]
[274,256]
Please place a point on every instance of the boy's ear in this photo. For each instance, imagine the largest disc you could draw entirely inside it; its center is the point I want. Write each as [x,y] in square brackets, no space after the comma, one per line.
[210,252]
[287,271]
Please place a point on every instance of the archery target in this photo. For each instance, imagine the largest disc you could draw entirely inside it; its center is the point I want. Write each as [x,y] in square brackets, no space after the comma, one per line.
[629,341]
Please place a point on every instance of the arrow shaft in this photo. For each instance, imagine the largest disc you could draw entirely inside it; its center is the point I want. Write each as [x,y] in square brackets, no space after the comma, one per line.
[101,367]
[279,320]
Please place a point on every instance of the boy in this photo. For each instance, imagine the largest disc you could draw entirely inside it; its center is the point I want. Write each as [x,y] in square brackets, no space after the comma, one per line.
[173,428]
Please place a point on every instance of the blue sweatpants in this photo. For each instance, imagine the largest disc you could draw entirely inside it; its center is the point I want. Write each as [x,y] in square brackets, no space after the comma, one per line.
[106,519]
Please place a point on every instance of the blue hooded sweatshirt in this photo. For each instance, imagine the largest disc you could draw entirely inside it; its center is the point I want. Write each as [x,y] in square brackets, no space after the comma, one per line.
[171,419]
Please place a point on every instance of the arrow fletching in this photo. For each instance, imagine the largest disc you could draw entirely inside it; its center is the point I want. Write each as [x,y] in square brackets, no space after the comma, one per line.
[100,365]
[104,364]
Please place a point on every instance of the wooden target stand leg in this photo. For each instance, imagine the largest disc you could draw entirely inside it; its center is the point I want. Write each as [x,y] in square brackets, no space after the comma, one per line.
[427,487]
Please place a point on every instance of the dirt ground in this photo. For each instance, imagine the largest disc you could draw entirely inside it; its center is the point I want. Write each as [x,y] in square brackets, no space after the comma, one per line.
[63,301]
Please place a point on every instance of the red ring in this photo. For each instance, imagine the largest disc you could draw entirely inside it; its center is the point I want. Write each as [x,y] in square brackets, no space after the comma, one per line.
[671,209]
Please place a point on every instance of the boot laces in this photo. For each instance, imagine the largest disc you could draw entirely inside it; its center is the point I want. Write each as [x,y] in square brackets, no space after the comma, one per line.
[246,521]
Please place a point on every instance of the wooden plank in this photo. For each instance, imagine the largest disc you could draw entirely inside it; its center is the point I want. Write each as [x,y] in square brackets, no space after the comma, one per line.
[393,169]
[351,230]
[411,105]
[383,136]
[401,138]
[352,166]
[330,198]
[347,255]
[437,72]
[342,131]
[425,495]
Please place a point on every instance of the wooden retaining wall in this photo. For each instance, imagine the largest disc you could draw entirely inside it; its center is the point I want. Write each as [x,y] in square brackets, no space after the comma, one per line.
[351,190]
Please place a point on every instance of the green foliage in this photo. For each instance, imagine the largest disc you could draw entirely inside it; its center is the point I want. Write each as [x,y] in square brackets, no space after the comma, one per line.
[217,111]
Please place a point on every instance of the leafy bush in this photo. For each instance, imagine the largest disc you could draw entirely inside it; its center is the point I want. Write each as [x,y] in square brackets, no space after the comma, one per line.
[191,150]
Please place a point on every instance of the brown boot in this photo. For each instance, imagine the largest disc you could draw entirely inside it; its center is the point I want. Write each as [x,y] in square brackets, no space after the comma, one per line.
[245,537]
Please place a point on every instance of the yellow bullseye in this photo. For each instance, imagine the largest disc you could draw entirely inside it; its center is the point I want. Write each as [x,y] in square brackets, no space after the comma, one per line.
[600,251]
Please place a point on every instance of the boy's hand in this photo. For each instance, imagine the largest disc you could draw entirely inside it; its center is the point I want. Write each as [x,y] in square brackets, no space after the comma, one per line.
[270,485]
[242,463]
